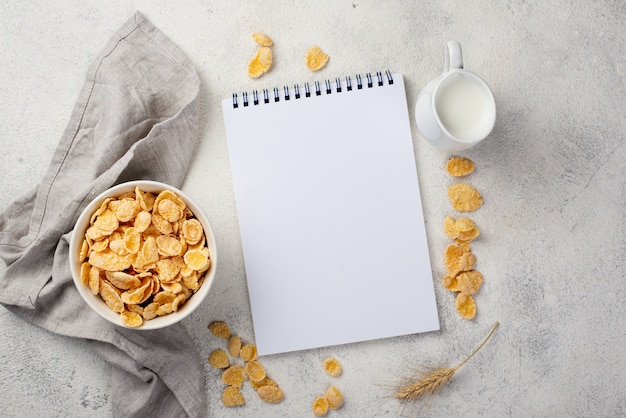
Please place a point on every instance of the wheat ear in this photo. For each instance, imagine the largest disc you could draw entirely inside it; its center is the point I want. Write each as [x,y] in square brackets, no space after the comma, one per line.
[432,381]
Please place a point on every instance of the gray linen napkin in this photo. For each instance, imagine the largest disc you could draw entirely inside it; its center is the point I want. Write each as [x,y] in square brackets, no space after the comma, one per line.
[135,118]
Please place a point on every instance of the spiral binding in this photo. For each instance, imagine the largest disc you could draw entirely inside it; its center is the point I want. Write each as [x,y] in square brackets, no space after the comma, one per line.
[296,93]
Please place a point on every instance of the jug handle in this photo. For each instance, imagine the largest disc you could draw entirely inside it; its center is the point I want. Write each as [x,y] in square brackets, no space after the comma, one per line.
[454,56]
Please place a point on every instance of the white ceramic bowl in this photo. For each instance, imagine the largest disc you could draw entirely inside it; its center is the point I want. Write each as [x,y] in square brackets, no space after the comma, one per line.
[94,301]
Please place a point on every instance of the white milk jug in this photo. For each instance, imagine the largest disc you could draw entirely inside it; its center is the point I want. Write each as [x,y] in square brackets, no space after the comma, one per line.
[456,110]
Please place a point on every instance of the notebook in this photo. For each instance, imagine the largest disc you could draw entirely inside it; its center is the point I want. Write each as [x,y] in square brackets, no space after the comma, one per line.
[329,211]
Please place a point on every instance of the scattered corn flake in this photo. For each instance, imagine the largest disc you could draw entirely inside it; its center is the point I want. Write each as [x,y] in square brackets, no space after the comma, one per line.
[449,227]
[262,39]
[131,319]
[315,58]
[465,306]
[232,396]
[334,398]
[270,393]
[463,229]
[464,224]
[234,345]
[469,282]
[332,366]
[220,329]
[468,236]
[464,197]
[460,166]
[261,62]
[450,282]
[467,261]
[265,382]
[234,376]
[255,371]
[248,352]
[219,359]
[320,406]
[458,257]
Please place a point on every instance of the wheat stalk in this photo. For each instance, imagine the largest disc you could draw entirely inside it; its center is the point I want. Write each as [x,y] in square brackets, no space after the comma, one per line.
[432,381]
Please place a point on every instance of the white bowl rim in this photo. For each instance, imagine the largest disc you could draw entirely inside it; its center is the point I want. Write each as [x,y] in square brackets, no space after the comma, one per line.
[95,301]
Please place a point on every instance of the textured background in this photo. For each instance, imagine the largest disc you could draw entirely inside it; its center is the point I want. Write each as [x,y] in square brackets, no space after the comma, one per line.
[552,174]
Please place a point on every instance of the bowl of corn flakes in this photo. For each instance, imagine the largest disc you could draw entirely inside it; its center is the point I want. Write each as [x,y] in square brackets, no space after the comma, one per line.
[143,255]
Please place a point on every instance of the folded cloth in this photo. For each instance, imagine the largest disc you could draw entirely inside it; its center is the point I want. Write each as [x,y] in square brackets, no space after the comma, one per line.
[135,118]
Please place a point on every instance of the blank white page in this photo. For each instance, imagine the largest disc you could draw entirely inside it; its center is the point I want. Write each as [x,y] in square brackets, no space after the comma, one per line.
[330,216]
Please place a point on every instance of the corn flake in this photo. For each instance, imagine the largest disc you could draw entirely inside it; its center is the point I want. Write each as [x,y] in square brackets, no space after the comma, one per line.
[169,210]
[465,306]
[334,398]
[458,257]
[168,245]
[122,280]
[262,39]
[460,166]
[316,59]
[234,376]
[131,319]
[450,282]
[270,393]
[234,345]
[332,366]
[219,359]
[320,406]
[107,222]
[85,269]
[220,329]
[255,371]
[248,352]
[126,209]
[142,221]
[464,197]
[196,259]
[192,231]
[469,282]
[232,396]
[94,280]
[261,62]
[150,311]
[265,382]
[111,296]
